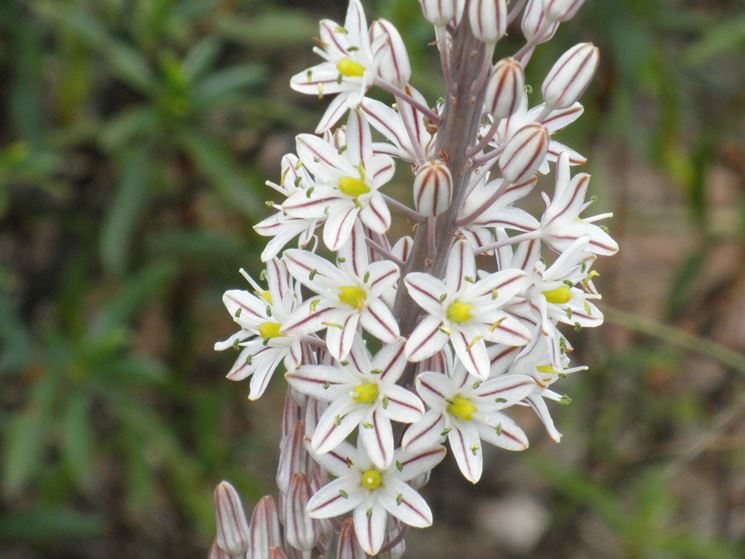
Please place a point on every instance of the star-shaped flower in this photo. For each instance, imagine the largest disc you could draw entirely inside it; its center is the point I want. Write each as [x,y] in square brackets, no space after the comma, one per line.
[261,316]
[347,296]
[465,311]
[362,391]
[372,493]
[345,189]
[467,411]
[349,69]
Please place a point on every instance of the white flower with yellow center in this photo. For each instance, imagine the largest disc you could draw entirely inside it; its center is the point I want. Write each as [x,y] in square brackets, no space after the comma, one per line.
[346,184]
[467,410]
[363,392]
[261,315]
[372,493]
[465,311]
[345,297]
[349,68]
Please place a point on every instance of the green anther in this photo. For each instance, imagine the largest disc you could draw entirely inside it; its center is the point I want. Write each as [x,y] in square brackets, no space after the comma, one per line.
[461,408]
[371,479]
[560,295]
[349,68]
[459,312]
[365,393]
[353,296]
[352,186]
[269,330]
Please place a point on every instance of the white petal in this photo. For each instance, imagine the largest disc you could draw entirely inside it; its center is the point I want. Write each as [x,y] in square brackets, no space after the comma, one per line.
[411,464]
[424,434]
[321,158]
[339,340]
[339,225]
[338,421]
[359,142]
[466,447]
[404,503]
[263,374]
[329,501]
[334,112]
[369,525]
[541,410]
[318,381]
[355,252]
[503,432]
[426,291]
[376,214]
[377,437]
[402,406]
[378,319]
[426,339]
[383,277]
[470,348]
[434,388]
[390,361]
[508,331]
[505,391]
[305,321]
[316,273]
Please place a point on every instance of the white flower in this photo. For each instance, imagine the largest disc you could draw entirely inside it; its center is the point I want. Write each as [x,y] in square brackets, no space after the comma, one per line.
[372,493]
[467,411]
[465,311]
[362,391]
[561,223]
[349,68]
[347,297]
[282,227]
[261,316]
[345,185]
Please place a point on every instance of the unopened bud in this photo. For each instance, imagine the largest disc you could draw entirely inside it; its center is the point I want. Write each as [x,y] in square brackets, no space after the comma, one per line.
[488,19]
[217,553]
[433,188]
[440,12]
[348,547]
[232,528]
[277,553]
[264,531]
[535,23]
[504,88]
[561,10]
[390,53]
[293,458]
[301,531]
[570,76]
[524,153]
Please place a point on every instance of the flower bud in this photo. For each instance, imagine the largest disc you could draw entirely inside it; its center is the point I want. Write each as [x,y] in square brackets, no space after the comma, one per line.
[570,76]
[488,19]
[433,188]
[524,153]
[561,10]
[536,24]
[232,528]
[293,458]
[277,553]
[217,553]
[390,53]
[440,12]
[504,88]
[348,547]
[301,531]
[264,531]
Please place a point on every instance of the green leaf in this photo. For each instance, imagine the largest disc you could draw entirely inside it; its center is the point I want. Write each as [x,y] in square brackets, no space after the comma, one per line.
[78,439]
[28,434]
[719,39]
[136,291]
[214,89]
[129,127]
[270,30]
[126,210]
[216,165]
[45,524]
[200,58]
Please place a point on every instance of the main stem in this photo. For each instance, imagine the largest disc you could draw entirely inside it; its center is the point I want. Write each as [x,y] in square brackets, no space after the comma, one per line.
[458,128]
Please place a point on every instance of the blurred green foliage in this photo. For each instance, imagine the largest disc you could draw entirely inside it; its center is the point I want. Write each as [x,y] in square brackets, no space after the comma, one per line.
[137,136]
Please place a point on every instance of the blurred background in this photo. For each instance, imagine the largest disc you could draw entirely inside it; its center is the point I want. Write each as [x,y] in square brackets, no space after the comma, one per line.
[135,138]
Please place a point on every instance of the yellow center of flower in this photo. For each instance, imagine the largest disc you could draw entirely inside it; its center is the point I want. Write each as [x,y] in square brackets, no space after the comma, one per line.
[353,187]
[559,296]
[349,68]
[544,369]
[365,393]
[371,479]
[352,296]
[459,312]
[269,330]
[266,296]
[461,408]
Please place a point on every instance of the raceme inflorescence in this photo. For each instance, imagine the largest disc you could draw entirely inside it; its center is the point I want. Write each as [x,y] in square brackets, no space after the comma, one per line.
[401,341]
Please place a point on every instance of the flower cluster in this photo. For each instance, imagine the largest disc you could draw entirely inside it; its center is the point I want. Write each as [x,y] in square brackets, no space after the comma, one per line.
[395,346]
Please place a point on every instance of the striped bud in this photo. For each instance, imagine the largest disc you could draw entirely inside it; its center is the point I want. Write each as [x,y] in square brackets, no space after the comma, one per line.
[232,528]
[433,188]
[561,10]
[264,531]
[535,23]
[524,153]
[277,553]
[570,76]
[488,19]
[293,458]
[301,531]
[390,53]
[440,12]
[348,547]
[504,88]
[217,553]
